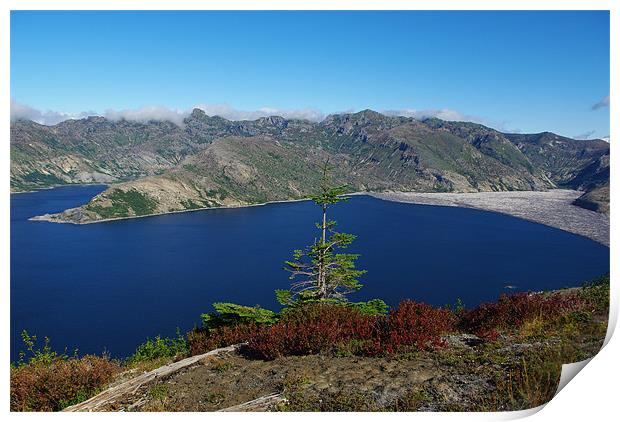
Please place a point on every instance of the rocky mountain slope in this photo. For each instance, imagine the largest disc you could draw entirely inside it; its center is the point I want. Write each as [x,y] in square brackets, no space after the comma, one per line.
[596,199]
[159,167]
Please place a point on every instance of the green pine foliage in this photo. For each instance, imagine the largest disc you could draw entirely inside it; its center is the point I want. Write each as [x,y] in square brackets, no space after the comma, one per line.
[230,314]
[373,307]
[320,271]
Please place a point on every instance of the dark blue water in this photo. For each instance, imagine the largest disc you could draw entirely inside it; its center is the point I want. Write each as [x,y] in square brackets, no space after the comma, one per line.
[111,285]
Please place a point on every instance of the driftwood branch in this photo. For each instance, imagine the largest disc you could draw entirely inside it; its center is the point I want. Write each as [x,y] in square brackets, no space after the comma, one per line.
[112,394]
[260,404]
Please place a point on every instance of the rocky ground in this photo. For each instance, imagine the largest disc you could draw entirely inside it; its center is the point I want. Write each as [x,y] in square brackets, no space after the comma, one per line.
[596,199]
[553,208]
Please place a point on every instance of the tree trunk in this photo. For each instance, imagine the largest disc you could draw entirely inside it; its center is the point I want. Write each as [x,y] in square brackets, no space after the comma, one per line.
[322,275]
[324,222]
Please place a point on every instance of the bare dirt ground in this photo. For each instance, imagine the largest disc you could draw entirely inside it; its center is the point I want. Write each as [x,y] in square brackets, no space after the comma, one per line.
[229,379]
[553,208]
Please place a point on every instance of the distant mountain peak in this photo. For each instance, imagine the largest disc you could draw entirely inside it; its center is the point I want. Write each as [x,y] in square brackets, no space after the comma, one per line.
[277,121]
[197,113]
[370,113]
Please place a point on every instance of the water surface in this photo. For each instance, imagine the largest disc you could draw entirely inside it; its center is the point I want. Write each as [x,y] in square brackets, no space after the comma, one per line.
[111,285]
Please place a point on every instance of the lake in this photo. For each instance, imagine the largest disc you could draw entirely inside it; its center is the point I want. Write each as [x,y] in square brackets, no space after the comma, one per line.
[109,286]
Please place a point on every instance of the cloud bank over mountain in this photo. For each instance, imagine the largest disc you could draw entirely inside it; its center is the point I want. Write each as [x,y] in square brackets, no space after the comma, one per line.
[21,111]
[160,113]
[443,114]
[24,112]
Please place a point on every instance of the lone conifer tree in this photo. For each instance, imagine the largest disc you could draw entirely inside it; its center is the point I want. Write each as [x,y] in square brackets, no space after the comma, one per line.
[319,273]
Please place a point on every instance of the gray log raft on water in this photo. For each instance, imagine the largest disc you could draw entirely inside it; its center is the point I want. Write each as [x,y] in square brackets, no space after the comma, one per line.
[553,208]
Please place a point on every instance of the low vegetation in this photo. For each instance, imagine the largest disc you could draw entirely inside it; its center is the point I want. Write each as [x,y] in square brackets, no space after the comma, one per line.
[515,311]
[44,380]
[158,350]
[319,327]
[316,328]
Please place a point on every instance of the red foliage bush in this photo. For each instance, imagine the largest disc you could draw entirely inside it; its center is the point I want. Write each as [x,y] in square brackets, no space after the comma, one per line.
[512,311]
[311,329]
[316,328]
[203,340]
[416,324]
[64,381]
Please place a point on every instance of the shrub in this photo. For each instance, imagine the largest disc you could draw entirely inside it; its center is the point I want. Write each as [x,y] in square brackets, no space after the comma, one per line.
[316,328]
[63,382]
[49,381]
[311,328]
[416,324]
[232,324]
[232,314]
[202,340]
[43,355]
[159,348]
[512,311]
[372,307]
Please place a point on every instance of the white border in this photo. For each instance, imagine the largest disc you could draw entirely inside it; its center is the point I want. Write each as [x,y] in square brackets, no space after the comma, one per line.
[592,395]
[309,5]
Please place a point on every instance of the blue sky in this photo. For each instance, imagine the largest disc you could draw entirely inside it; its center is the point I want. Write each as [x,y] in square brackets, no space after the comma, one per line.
[521,71]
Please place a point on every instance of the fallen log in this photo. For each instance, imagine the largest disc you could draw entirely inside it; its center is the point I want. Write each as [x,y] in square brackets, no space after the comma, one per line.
[96,403]
[260,404]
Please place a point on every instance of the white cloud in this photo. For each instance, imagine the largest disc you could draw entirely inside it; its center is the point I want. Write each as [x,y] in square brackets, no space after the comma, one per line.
[585,135]
[146,114]
[601,104]
[443,114]
[454,116]
[230,113]
[24,112]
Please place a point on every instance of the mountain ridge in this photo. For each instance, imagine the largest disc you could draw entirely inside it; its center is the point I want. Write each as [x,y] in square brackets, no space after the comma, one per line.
[158,167]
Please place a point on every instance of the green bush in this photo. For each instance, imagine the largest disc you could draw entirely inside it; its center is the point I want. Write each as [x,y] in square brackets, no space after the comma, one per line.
[230,314]
[35,355]
[159,348]
[373,307]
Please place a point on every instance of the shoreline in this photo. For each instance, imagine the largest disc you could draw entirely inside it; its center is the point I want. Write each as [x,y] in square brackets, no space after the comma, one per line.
[46,217]
[58,186]
[553,208]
